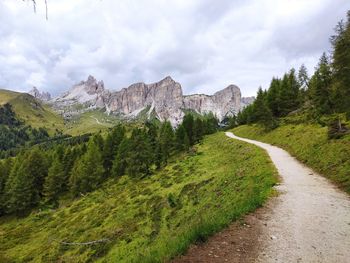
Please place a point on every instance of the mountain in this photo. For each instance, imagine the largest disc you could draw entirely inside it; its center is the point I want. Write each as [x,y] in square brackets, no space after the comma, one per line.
[43,96]
[245,101]
[163,99]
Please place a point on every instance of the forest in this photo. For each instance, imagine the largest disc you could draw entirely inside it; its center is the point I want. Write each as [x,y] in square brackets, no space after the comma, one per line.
[38,176]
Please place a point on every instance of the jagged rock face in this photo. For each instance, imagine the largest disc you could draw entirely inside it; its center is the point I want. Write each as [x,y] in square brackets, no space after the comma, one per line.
[43,96]
[164,99]
[222,103]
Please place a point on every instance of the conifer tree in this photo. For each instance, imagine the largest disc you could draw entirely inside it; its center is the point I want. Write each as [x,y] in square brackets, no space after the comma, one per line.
[5,168]
[21,192]
[181,137]
[110,148]
[54,182]
[138,161]
[320,86]
[166,141]
[88,171]
[263,114]
[120,160]
[188,125]
[341,67]
[273,97]
[198,129]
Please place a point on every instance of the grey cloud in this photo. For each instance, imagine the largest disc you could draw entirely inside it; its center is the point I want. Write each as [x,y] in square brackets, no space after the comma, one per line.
[205,45]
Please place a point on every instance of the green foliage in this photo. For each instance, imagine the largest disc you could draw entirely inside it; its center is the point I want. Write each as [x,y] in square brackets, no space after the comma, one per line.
[138,161]
[88,172]
[182,141]
[111,144]
[24,186]
[320,87]
[166,141]
[54,182]
[341,67]
[14,133]
[120,161]
[188,123]
[148,220]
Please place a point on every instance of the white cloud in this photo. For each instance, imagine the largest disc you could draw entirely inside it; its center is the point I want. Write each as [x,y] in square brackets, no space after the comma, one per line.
[205,45]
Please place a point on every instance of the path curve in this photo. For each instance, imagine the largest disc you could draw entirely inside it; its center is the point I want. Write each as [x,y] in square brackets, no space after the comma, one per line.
[309,221]
[97,121]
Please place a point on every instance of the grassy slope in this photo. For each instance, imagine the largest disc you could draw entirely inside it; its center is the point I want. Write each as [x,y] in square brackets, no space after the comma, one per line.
[31,111]
[86,123]
[309,144]
[149,220]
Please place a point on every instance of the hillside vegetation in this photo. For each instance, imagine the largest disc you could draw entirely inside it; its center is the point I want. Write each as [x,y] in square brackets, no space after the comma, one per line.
[149,219]
[310,144]
[30,111]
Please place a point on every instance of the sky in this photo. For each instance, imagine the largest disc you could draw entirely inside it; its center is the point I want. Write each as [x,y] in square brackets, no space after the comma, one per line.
[204,45]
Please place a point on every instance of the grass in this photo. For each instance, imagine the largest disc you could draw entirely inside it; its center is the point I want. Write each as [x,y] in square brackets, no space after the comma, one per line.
[90,122]
[149,220]
[31,111]
[309,144]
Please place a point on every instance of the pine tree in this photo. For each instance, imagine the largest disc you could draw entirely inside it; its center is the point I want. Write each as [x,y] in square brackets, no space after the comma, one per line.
[341,67]
[21,192]
[182,141]
[303,77]
[198,129]
[36,164]
[166,141]
[5,168]
[88,172]
[110,148]
[188,125]
[120,161]
[262,112]
[290,93]
[320,86]
[54,182]
[138,161]
[273,97]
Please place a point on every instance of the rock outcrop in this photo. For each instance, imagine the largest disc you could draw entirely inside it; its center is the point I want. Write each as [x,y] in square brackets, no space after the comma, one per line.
[223,103]
[245,101]
[43,96]
[163,99]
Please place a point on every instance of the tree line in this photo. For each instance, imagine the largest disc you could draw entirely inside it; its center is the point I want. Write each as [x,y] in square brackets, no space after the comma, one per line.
[39,176]
[325,93]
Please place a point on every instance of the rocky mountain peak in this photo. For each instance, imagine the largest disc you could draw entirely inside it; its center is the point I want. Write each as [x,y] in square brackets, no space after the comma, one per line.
[163,99]
[43,96]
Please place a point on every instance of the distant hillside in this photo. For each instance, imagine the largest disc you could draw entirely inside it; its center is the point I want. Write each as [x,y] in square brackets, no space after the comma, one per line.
[31,111]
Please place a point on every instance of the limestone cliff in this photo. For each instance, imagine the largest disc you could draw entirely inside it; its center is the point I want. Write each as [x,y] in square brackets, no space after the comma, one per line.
[163,99]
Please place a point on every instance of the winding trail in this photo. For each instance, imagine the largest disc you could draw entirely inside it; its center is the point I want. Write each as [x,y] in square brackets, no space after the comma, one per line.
[309,221]
[97,121]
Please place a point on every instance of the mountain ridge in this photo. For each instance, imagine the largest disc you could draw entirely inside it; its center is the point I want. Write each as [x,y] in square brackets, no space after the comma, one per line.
[164,98]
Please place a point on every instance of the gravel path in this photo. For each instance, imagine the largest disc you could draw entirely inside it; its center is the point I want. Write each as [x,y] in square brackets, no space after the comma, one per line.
[309,221]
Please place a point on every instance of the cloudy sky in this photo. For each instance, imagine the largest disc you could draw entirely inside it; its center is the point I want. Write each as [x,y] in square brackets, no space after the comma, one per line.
[203,44]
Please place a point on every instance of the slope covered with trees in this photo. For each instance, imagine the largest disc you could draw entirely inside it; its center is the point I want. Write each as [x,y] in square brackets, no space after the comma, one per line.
[40,175]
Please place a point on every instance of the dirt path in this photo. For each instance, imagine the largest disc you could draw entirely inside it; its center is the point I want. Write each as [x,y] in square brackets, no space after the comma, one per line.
[97,121]
[308,222]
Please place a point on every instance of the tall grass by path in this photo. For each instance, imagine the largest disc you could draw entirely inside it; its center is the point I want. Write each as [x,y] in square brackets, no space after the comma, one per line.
[310,144]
